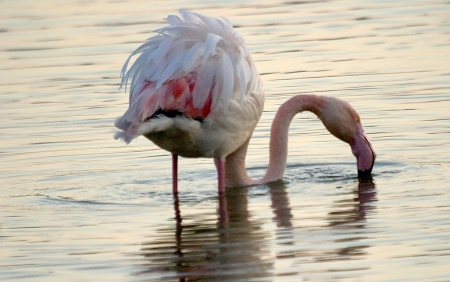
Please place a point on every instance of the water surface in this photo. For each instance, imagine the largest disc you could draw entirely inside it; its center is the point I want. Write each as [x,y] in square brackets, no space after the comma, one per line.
[78,205]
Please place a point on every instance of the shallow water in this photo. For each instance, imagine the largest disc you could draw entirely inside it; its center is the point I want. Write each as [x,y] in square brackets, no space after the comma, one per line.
[78,205]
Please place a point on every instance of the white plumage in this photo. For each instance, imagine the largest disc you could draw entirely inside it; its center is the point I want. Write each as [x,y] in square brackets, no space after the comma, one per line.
[220,90]
[205,48]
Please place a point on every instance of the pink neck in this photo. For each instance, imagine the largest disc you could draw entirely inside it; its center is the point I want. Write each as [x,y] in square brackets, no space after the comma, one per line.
[235,172]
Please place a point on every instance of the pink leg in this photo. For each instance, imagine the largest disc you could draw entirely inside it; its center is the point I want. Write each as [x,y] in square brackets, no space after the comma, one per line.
[174,174]
[220,165]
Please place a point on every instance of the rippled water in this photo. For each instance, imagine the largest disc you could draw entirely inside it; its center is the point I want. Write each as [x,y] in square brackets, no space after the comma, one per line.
[78,205]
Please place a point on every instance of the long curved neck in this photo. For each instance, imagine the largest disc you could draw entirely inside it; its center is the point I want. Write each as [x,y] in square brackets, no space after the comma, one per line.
[235,172]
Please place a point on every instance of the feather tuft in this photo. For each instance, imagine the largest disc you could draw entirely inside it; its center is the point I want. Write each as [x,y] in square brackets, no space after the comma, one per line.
[207,52]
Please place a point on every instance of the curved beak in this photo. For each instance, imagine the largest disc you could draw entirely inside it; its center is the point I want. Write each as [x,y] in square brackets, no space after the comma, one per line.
[364,153]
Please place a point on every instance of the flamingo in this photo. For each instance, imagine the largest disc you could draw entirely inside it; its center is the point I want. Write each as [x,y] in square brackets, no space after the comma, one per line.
[195,92]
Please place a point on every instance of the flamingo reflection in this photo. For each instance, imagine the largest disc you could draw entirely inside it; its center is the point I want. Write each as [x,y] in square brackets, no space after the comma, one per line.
[233,245]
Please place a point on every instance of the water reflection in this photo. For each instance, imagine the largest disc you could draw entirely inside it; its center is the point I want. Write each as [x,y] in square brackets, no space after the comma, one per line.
[352,212]
[234,245]
[348,219]
[280,204]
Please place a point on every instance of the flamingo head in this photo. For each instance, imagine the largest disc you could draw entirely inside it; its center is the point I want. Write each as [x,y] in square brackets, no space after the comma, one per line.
[363,151]
[342,120]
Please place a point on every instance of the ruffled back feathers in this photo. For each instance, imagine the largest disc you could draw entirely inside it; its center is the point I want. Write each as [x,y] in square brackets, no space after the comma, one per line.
[196,65]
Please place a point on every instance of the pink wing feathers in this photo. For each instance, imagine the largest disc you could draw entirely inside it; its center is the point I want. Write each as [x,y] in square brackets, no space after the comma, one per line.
[196,65]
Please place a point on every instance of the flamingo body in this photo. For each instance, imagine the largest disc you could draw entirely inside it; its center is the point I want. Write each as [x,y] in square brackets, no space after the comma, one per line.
[194,89]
